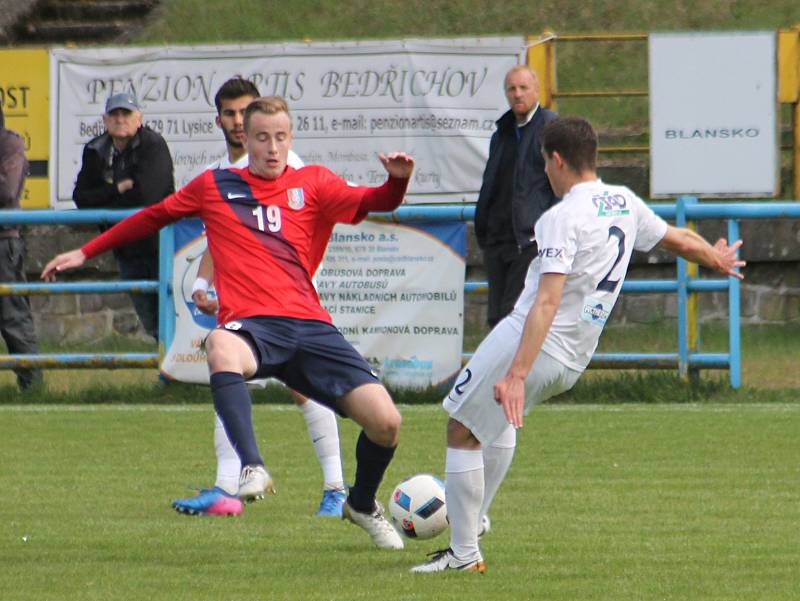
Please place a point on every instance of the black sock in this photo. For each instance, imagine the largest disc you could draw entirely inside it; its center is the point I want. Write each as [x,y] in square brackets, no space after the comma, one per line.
[371,463]
[234,407]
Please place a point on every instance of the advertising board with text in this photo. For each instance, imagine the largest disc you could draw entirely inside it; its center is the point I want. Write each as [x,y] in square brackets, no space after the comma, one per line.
[713,114]
[437,99]
[395,292]
[24,96]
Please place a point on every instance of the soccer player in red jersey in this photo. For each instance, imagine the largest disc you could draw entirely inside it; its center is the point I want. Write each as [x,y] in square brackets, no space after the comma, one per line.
[267,227]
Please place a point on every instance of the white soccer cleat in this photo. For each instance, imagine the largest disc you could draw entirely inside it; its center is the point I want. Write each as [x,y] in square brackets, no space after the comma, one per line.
[485,525]
[254,483]
[377,526]
[445,560]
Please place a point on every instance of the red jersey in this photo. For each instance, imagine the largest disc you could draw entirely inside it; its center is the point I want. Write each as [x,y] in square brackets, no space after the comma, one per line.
[266,236]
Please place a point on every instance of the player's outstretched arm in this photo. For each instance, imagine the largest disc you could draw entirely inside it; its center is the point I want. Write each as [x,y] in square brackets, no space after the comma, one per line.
[397,164]
[690,245]
[510,391]
[68,260]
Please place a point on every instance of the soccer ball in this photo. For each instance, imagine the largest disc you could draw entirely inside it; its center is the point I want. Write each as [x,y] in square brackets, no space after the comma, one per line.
[417,507]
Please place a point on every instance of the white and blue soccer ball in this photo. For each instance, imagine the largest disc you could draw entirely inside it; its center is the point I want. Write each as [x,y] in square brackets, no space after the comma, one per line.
[417,507]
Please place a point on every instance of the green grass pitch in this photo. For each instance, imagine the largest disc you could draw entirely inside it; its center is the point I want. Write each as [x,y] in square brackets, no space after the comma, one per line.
[603,502]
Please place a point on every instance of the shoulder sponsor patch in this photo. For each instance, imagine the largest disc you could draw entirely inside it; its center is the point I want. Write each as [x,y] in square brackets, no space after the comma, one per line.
[297,199]
[595,311]
[610,205]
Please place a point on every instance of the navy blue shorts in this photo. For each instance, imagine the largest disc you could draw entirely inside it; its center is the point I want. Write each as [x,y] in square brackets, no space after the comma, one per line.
[308,355]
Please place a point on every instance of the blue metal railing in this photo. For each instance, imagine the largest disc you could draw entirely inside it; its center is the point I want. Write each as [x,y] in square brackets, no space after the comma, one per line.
[685,210]
[90,360]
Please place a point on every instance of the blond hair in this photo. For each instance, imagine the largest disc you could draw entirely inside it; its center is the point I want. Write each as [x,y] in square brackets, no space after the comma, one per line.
[269,105]
[517,69]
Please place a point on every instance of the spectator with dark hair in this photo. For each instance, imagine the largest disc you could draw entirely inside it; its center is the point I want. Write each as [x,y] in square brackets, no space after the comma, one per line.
[16,322]
[128,166]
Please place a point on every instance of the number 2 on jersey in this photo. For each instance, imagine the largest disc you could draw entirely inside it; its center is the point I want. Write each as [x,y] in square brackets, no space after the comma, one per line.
[273,215]
[607,284]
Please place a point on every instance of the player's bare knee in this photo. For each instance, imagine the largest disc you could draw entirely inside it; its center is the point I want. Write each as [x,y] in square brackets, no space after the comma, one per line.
[459,436]
[386,430]
[227,352]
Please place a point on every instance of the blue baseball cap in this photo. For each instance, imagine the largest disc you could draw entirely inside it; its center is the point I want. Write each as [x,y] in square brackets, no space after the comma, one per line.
[122,100]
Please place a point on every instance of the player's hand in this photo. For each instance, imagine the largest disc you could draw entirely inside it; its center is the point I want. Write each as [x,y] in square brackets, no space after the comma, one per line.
[124,185]
[728,261]
[510,393]
[397,164]
[205,303]
[68,260]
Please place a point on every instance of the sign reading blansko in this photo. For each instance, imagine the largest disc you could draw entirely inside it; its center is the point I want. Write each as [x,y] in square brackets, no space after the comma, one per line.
[436,99]
[713,114]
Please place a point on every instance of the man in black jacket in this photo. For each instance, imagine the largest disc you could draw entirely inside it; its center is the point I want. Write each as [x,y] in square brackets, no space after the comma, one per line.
[16,322]
[514,194]
[128,166]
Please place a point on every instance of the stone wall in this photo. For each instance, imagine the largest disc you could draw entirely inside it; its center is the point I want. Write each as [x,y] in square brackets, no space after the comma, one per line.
[770,294]
[65,319]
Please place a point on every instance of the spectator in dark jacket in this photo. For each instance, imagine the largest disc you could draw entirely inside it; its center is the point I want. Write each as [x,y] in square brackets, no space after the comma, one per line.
[514,194]
[128,166]
[16,322]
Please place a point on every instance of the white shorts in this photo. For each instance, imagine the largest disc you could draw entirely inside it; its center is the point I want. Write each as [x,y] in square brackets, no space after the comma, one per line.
[471,401]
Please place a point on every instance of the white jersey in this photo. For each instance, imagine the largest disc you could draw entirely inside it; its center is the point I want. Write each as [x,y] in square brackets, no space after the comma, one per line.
[224,162]
[589,236]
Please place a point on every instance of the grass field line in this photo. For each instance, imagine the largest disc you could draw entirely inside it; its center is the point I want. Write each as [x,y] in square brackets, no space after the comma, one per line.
[619,408]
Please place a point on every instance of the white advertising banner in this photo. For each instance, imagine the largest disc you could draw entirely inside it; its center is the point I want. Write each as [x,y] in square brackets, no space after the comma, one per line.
[437,99]
[396,292]
[713,114]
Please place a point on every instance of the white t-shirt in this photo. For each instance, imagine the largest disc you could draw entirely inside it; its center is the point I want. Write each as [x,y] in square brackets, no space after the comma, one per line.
[224,162]
[589,236]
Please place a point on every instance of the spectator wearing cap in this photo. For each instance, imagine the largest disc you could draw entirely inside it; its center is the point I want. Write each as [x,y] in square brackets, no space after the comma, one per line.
[128,166]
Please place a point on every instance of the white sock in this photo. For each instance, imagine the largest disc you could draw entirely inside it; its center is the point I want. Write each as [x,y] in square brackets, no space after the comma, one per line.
[497,459]
[464,494]
[228,464]
[324,434]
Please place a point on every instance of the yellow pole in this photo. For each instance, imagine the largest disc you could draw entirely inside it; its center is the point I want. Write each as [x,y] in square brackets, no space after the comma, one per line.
[542,59]
[789,91]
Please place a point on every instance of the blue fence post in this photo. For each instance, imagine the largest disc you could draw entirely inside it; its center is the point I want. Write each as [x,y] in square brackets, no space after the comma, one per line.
[734,320]
[166,311]
[683,293]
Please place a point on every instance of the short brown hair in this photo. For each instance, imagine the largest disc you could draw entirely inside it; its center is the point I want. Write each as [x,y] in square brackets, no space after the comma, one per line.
[269,105]
[574,139]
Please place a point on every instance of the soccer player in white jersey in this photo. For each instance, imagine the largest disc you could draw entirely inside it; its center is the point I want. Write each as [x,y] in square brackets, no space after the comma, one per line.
[543,346]
[231,100]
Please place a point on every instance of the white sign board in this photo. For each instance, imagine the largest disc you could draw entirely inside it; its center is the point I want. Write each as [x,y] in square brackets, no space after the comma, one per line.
[713,114]
[437,99]
[396,293]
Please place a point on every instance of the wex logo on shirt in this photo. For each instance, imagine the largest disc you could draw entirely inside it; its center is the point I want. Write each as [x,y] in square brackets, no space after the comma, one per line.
[610,205]
[551,253]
